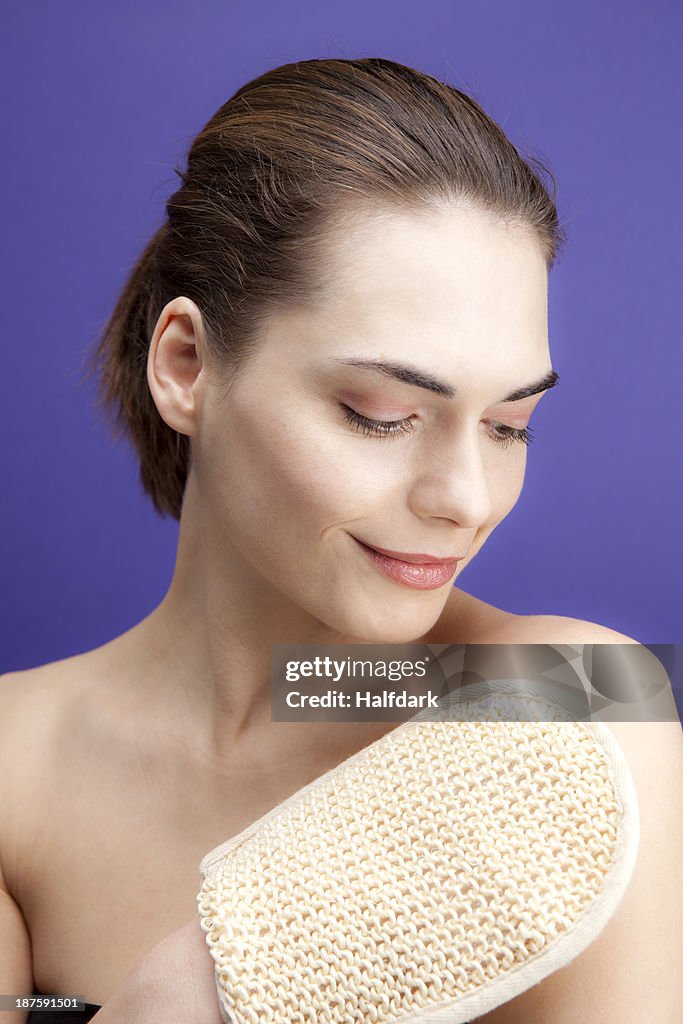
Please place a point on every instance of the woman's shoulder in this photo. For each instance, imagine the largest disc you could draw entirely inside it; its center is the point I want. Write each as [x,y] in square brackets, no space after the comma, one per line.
[29,695]
[40,690]
[59,684]
[44,708]
[468,619]
[35,704]
[34,710]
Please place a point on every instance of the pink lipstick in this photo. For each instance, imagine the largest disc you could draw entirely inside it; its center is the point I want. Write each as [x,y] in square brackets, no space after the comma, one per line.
[421,572]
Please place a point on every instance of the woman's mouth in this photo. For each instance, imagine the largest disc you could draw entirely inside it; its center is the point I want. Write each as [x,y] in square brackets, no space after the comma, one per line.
[424,573]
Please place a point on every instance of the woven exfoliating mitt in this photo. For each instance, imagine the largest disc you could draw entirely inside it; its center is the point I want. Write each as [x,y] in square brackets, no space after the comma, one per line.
[432,876]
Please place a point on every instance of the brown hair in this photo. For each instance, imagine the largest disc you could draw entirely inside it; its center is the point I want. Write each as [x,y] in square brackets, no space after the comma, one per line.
[287,157]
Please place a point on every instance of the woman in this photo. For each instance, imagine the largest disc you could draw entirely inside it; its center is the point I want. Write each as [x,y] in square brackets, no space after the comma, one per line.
[334,346]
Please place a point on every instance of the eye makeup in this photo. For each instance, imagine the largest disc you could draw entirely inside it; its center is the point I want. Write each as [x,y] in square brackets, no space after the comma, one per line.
[502,433]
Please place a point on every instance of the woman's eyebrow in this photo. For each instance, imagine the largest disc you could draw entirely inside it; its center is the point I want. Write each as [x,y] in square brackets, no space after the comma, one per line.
[420,379]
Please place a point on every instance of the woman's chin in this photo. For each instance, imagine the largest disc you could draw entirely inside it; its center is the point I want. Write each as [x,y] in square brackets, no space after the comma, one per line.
[394,629]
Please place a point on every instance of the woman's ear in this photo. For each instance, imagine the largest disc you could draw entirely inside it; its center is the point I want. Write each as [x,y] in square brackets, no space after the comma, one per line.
[174,364]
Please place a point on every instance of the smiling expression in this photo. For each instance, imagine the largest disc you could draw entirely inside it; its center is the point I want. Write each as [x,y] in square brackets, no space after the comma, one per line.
[393,410]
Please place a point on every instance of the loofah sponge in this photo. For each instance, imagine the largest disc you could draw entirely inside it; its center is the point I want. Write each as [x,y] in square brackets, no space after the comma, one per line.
[432,876]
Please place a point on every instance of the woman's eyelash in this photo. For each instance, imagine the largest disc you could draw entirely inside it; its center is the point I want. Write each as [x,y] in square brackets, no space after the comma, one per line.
[506,435]
[502,433]
[382,428]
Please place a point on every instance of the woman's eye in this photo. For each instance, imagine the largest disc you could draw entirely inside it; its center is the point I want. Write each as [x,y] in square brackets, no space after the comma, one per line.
[501,432]
[505,435]
[380,428]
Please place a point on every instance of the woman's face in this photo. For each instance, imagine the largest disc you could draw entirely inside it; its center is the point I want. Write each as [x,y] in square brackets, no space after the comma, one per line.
[290,475]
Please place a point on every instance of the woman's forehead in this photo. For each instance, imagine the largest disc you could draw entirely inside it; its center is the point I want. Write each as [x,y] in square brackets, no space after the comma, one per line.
[446,263]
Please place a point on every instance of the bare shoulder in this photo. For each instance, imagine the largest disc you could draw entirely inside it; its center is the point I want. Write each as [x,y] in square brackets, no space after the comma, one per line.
[27,697]
[43,709]
[27,728]
[32,706]
[556,629]
[47,689]
[39,715]
[34,693]
[468,619]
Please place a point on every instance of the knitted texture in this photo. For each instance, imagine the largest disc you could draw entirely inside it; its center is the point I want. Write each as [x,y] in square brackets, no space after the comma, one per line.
[432,876]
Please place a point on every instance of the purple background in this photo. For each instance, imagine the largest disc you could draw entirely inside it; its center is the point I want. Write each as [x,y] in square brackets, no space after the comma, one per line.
[104,100]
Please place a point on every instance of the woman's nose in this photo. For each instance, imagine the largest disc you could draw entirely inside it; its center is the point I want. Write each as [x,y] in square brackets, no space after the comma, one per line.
[452,484]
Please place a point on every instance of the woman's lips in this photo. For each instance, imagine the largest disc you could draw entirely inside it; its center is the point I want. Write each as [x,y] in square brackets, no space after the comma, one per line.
[422,575]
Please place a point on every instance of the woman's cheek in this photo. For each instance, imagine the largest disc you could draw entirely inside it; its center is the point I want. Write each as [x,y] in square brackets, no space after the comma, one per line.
[342,476]
[507,480]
